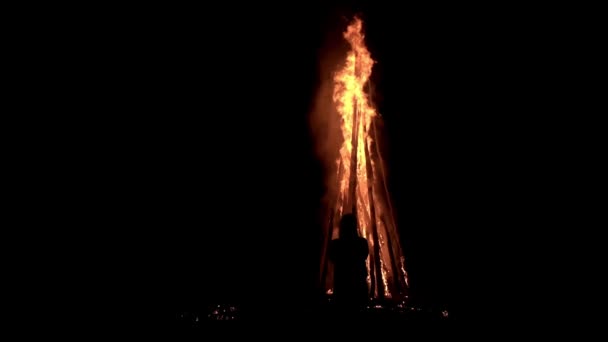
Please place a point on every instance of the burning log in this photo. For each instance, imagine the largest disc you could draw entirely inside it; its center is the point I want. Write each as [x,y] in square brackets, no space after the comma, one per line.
[361,186]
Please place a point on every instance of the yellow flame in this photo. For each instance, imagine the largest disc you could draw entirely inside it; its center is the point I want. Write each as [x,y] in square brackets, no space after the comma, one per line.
[349,95]
[356,116]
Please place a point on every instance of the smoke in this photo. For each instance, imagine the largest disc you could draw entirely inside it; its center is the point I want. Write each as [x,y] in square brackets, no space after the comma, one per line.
[324,119]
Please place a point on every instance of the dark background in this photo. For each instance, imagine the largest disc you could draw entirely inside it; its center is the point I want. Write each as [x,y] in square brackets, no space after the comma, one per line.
[228,178]
[213,187]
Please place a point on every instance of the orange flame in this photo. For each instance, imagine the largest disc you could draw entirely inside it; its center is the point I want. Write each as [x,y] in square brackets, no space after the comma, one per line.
[364,192]
[350,99]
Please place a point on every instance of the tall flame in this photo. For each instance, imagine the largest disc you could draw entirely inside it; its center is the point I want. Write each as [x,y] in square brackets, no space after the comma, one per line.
[361,184]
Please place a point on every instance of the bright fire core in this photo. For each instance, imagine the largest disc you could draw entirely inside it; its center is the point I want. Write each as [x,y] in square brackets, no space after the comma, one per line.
[361,182]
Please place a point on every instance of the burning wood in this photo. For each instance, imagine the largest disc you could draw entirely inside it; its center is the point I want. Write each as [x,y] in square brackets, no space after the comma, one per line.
[361,185]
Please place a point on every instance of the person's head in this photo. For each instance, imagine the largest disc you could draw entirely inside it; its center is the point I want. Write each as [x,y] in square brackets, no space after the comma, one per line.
[348,226]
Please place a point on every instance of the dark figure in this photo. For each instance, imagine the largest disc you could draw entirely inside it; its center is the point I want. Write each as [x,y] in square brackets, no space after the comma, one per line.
[348,254]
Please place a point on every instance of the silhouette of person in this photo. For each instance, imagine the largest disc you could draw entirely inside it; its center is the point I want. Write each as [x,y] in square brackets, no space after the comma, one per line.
[348,254]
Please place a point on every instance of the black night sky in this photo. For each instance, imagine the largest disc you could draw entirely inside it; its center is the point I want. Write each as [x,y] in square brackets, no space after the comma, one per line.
[216,173]
[231,182]
[236,182]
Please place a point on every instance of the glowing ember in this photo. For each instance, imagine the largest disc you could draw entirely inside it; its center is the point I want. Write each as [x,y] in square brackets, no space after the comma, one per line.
[361,182]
